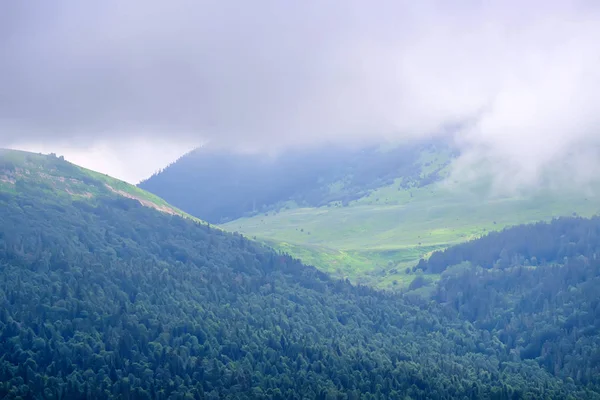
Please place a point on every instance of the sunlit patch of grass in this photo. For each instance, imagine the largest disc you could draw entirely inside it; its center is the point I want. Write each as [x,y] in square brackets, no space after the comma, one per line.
[366,241]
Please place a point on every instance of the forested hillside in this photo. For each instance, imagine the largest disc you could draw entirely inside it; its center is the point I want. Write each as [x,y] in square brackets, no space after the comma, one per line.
[525,245]
[219,185]
[549,314]
[106,298]
[535,288]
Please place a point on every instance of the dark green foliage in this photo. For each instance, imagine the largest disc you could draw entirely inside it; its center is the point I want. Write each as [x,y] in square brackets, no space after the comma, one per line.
[531,244]
[418,282]
[222,186]
[547,314]
[535,288]
[115,300]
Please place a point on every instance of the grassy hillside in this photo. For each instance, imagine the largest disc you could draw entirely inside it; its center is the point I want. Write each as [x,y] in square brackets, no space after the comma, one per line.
[104,297]
[374,239]
[56,177]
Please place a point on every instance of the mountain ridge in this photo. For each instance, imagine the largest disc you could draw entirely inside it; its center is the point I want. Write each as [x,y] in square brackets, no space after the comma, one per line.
[221,185]
[17,167]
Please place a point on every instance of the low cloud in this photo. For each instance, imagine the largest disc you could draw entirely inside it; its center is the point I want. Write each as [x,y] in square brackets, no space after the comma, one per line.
[515,84]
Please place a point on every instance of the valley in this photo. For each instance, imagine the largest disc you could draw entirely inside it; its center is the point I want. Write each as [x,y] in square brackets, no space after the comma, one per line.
[367,215]
[299,200]
[374,239]
[107,291]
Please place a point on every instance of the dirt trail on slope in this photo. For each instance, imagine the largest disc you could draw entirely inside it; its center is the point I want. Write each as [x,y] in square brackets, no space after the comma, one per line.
[143,202]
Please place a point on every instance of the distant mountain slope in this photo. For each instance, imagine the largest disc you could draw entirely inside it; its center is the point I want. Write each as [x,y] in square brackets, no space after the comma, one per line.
[219,186]
[111,299]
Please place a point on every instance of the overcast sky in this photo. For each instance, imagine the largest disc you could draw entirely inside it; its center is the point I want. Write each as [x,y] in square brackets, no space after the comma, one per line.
[125,87]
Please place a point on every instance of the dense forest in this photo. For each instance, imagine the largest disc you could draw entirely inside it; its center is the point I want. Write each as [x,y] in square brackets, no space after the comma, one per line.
[529,245]
[219,186]
[549,314]
[105,298]
[534,288]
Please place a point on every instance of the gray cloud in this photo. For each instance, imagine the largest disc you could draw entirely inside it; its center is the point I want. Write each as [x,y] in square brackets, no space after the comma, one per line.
[521,79]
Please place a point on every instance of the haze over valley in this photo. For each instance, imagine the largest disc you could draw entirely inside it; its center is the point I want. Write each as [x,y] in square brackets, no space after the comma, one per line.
[311,200]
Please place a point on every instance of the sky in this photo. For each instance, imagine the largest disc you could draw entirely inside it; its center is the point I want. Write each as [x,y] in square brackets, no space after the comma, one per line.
[127,87]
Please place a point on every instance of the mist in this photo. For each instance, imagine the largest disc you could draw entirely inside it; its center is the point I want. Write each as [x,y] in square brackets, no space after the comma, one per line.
[515,85]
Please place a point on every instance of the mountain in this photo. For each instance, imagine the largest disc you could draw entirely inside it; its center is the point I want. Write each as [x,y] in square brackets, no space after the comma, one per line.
[107,296]
[41,175]
[364,214]
[218,185]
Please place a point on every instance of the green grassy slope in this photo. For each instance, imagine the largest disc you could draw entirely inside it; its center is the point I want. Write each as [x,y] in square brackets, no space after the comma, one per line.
[54,174]
[374,239]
